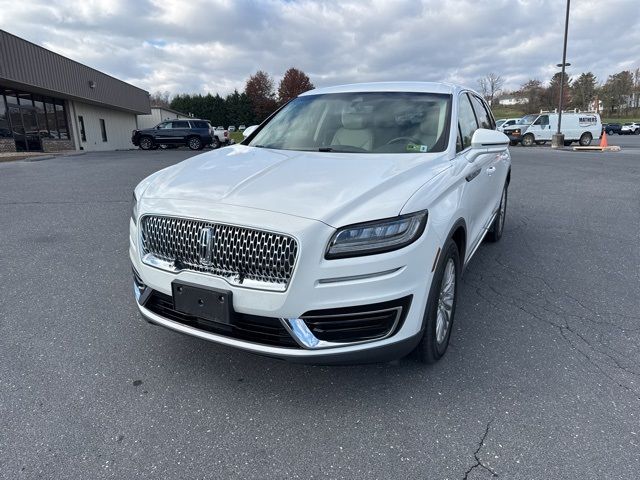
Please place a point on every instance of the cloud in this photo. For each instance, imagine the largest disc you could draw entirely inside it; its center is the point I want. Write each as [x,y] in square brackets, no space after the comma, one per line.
[214,45]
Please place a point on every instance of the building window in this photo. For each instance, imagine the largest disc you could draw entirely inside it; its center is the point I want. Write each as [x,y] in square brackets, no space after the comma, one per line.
[103,128]
[12,99]
[51,119]
[83,134]
[42,119]
[61,120]
[5,132]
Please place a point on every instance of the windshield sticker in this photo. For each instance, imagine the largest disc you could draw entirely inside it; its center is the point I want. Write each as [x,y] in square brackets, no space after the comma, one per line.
[412,147]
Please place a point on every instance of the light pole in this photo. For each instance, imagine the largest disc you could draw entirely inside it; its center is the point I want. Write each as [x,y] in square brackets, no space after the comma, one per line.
[557,141]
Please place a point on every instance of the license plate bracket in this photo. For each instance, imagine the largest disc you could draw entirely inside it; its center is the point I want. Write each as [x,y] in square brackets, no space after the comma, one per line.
[203,302]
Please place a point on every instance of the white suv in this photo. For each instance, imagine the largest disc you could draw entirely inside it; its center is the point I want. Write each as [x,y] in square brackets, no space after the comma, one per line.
[336,232]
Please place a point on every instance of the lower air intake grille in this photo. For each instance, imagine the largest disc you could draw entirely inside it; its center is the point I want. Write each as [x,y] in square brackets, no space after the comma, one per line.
[262,330]
[358,324]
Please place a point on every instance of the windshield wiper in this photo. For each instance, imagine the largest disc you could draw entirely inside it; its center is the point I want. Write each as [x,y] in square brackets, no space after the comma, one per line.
[325,149]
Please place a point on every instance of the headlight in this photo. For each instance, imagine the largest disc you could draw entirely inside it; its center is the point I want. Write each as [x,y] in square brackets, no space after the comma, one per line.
[134,209]
[376,237]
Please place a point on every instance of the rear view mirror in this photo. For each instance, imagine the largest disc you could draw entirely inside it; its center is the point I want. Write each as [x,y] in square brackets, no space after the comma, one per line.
[249,130]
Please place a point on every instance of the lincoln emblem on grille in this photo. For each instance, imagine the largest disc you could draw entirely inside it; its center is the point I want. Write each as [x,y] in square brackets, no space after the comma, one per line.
[205,245]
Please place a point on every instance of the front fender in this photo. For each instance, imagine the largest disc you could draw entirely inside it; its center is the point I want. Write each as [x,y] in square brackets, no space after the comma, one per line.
[442,197]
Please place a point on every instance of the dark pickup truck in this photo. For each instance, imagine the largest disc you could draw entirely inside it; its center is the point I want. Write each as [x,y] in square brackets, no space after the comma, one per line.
[195,134]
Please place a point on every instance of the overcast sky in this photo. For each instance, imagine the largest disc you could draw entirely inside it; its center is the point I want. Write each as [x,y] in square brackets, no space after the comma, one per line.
[214,45]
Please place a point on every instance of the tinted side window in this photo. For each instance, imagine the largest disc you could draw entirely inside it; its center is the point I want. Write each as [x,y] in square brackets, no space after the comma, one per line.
[459,147]
[484,119]
[466,120]
[542,120]
[180,124]
[200,124]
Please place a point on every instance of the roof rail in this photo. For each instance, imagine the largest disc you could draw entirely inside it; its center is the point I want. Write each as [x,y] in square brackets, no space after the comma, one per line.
[575,110]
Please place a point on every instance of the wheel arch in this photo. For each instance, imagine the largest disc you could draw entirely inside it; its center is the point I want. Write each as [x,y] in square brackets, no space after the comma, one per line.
[458,233]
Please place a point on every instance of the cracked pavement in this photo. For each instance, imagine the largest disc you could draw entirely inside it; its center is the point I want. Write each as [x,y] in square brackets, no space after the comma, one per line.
[541,379]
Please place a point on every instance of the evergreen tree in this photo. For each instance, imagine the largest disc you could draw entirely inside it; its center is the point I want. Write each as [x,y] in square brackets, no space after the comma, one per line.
[583,90]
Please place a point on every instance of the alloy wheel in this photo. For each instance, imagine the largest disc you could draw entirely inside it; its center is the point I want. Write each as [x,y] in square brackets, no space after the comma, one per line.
[194,143]
[445,301]
[501,211]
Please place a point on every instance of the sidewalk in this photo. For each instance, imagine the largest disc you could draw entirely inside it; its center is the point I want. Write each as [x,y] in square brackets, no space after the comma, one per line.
[35,156]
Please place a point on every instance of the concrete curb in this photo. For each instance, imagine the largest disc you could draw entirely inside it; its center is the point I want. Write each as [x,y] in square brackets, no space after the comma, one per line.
[50,156]
[612,148]
[38,159]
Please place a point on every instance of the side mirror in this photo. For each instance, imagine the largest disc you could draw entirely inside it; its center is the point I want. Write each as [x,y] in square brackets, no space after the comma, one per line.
[249,130]
[487,141]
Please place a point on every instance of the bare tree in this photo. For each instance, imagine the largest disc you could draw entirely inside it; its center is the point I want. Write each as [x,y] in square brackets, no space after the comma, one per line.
[636,87]
[160,99]
[491,86]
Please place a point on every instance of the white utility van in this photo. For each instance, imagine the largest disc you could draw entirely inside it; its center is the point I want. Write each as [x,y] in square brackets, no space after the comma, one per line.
[577,126]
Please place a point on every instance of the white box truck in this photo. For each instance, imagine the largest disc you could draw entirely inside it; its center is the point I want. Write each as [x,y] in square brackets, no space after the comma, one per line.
[576,126]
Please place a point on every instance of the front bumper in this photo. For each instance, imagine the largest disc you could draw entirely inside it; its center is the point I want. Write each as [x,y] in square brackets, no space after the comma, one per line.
[517,138]
[362,353]
[317,285]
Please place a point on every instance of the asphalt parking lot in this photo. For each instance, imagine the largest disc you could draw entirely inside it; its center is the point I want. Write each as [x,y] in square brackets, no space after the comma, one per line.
[542,379]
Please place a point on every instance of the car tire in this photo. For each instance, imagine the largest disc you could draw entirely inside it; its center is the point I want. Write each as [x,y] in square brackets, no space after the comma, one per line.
[528,140]
[585,139]
[146,143]
[195,143]
[610,132]
[513,143]
[216,143]
[441,306]
[567,143]
[497,227]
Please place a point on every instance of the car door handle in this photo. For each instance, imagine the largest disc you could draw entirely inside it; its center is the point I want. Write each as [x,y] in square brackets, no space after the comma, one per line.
[472,175]
[491,170]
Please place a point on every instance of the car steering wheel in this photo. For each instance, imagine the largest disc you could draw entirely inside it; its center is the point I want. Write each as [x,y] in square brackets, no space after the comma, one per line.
[397,139]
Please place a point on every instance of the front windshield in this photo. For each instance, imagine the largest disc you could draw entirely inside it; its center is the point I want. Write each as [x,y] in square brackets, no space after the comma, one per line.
[371,122]
[527,119]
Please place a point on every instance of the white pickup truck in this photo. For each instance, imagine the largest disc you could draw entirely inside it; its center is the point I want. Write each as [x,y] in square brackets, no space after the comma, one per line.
[220,137]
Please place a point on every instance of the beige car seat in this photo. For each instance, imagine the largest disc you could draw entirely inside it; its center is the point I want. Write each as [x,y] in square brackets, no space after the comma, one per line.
[354,132]
[432,126]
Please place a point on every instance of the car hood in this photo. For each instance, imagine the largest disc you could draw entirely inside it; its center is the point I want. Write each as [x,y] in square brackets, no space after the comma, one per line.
[335,188]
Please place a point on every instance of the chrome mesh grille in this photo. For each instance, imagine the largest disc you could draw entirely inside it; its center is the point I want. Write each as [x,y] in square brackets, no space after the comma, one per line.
[238,253]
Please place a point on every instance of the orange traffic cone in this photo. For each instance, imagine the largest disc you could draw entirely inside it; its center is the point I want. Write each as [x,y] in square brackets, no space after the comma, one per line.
[603,140]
